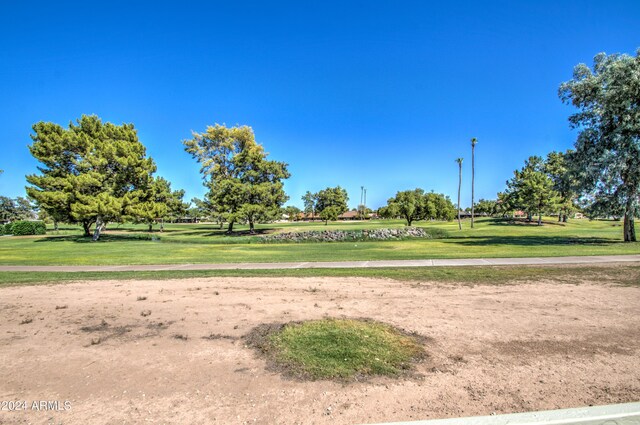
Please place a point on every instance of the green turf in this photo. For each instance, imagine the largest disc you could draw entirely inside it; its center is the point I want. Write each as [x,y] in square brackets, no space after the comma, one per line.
[628,275]
[343,348]
[203,243]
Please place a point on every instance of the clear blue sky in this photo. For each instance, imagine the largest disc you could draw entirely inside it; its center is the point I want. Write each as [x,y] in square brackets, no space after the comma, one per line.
[384,94]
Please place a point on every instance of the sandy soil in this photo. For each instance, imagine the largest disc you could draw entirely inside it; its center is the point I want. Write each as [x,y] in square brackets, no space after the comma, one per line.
[178,356]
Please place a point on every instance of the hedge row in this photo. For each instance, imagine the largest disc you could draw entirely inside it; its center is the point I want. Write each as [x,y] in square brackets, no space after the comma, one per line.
[22,228]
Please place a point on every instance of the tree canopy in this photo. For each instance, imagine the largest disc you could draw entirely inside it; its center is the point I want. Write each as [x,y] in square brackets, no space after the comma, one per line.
[92,172]
[16,209]
[606,161]
[531,189]
[417,205]
[328,203]
[243,184]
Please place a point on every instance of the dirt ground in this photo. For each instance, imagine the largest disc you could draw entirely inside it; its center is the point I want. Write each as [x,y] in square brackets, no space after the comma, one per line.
[172,351]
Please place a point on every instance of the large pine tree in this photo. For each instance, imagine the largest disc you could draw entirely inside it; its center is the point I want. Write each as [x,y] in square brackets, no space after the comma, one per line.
[90,173]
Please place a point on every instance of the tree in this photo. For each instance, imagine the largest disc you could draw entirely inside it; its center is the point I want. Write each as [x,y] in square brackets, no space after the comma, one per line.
[243,184]
[531,189]
[486,207]
[330,203]
[474,142]
[555,167]
[16,209]
[413,205]
[437,206]
[158,203]
[292,212]
[309,200]
[606,161]
[504,205]
[388,211]
[90,173]
[408,204]
[459,161]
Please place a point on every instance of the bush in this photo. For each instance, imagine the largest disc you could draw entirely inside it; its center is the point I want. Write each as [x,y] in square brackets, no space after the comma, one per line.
[22,228]
[7,228]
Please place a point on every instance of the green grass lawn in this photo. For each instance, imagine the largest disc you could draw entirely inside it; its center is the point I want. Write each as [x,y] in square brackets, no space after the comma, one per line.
[625,275]
[205,243]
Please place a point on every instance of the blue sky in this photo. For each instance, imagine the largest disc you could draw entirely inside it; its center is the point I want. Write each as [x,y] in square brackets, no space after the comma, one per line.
[384,94]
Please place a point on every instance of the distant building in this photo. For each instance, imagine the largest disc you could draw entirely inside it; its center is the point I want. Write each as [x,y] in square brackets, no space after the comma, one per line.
[349,215]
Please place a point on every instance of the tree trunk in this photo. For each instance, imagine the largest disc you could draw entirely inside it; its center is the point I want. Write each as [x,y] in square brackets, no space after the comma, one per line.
[473,175]
[150,227]
[409,221]
[230,227]
[459,187]
[55,225]
[251,228]
[86,225]
[629,225]
[539,218]
[565,218]
[559,216]
[98,229]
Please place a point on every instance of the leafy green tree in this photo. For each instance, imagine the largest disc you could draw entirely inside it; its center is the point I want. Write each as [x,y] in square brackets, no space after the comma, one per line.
[16,209]
[90,173]
[158,203]
[504,204]
[243,184]
[408,204]
[531,189]
[486,207]
[309,200]
[363,211]
[606,161]
[292,212]
[8,209]
[388,211]
[413,205]
[556,168]
[437,206]
[330,203]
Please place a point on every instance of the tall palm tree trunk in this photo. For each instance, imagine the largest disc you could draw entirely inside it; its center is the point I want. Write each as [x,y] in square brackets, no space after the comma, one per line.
[474,141]
[459,161]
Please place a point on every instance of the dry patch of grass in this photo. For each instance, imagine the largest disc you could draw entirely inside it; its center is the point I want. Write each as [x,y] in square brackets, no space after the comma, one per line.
[342,349]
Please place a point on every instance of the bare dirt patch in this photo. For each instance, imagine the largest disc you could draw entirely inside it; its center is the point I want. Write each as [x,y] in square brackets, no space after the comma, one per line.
[491,349]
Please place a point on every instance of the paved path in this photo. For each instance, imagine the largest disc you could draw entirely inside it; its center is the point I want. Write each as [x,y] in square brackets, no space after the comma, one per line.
[335,264]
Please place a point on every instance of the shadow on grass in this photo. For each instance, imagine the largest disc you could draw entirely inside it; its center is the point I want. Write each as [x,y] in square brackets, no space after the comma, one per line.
[532,240]
[103,238]
[523,222]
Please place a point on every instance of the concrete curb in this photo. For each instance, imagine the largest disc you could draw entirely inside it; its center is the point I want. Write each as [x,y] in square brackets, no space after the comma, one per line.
[614,414]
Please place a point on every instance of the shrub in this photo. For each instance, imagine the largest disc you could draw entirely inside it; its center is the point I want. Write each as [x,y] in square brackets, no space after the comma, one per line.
[7,229]
[22,228]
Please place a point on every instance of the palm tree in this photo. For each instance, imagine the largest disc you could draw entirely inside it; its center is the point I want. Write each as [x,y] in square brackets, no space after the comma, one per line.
[474,142]
[459,161]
